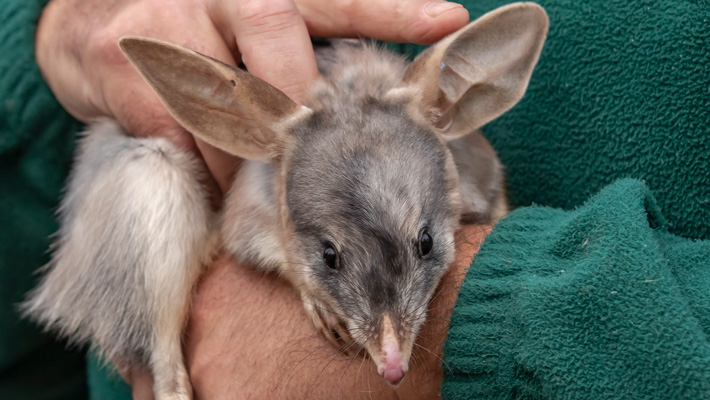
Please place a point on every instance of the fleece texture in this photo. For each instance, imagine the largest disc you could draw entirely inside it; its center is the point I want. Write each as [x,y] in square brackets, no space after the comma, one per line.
[36,145]
[596,303]
[622,89]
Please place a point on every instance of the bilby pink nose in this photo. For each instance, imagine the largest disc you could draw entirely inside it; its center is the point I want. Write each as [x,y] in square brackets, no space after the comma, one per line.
[394,376]
[392,365]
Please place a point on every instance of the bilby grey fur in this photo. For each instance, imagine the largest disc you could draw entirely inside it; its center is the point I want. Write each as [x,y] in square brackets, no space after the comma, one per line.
[382,150]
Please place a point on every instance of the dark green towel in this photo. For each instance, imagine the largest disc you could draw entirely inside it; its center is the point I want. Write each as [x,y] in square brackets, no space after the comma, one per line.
[597,303]
[36,145]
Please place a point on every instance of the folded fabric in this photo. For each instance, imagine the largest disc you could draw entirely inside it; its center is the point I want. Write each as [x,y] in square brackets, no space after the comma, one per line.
[596,303]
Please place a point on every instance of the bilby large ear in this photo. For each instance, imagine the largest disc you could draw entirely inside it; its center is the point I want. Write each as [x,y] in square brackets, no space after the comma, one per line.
[226,107]
[481,71]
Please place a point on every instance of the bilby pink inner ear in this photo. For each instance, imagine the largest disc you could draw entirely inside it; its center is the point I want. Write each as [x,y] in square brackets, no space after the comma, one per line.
[481,71]
[226,107]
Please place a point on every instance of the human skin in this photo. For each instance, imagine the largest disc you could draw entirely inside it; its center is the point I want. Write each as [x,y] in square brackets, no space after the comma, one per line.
[76,49]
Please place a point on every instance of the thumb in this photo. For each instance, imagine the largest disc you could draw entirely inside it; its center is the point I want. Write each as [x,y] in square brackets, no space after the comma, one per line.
[274,43]
[140,379]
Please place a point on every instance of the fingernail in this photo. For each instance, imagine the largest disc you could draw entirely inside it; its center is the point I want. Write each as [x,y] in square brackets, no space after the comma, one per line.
[436,8]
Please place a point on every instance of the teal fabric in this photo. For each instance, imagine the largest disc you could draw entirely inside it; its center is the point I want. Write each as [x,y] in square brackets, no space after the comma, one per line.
[36,145]
[104,381]
[596,303]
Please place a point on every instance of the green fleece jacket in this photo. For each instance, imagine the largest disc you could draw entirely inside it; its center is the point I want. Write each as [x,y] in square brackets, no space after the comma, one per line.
[569,298]
[597,303]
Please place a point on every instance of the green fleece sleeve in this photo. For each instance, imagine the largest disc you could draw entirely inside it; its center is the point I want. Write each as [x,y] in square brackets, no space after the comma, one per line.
[36,144]
[596,303]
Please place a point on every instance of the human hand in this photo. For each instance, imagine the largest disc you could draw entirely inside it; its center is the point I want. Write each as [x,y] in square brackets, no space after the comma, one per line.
[248,337]
[78,54]
[79,57]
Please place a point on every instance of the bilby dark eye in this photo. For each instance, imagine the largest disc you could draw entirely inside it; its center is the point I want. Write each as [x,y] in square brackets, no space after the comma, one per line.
[426,243]
[330,256]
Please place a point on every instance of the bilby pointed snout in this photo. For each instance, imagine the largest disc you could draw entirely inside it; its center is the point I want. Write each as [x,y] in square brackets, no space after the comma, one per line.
[392,358]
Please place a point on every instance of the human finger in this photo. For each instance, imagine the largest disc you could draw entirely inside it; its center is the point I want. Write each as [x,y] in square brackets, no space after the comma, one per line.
[140,379]
[274,43]
[418,21]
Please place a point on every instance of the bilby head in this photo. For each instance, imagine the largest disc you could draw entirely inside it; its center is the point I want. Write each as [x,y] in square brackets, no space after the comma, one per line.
[366,190]
[373,207]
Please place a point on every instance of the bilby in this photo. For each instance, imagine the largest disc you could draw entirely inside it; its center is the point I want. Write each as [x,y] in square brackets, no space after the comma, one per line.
[353,197]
